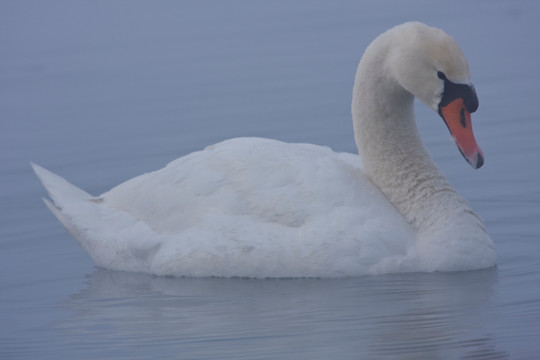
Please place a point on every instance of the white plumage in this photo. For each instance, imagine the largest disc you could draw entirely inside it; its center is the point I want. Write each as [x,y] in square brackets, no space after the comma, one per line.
[263,208]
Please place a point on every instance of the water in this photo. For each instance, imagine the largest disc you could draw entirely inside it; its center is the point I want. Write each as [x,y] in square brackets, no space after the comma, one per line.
[100,92]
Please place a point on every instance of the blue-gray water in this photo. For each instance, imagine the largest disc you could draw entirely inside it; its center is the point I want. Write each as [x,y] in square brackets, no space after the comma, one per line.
[102,91]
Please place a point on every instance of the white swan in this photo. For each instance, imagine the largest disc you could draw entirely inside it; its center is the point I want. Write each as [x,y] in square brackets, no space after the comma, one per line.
[262,208]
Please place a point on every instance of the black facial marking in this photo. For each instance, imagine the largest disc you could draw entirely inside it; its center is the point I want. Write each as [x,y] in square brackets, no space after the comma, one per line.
[462,118]
[453,91]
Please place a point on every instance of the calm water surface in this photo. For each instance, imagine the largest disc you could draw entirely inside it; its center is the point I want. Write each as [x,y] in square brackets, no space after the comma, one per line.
[102,91]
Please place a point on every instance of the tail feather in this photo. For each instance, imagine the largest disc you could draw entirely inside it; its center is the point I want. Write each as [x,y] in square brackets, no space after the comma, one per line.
[58,188]
[112,237]
[68,203]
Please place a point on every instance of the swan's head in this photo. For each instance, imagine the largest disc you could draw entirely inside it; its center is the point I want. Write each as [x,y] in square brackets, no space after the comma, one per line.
[430,65]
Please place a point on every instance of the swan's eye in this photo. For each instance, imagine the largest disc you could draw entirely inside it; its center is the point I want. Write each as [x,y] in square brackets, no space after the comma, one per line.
[441,75]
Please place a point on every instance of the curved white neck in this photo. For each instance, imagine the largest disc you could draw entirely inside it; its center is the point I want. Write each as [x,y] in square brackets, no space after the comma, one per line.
[393,154]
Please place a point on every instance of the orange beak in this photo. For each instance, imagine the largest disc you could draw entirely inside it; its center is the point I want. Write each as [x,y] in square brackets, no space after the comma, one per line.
[458,119]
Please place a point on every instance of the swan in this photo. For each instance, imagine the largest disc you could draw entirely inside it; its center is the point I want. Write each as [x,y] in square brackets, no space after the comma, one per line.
[253,207]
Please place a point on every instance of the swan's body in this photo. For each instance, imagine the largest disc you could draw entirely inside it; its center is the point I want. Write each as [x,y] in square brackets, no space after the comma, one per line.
[263,208]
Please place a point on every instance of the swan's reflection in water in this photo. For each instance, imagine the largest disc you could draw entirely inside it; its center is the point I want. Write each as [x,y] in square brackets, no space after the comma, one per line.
[416,316]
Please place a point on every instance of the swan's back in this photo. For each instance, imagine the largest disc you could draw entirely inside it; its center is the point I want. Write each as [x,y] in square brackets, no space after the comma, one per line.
[266,180]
